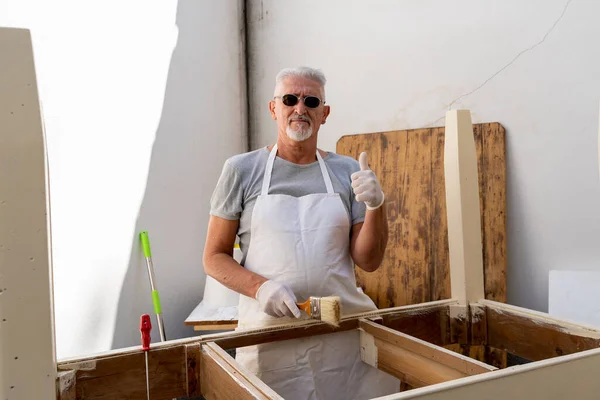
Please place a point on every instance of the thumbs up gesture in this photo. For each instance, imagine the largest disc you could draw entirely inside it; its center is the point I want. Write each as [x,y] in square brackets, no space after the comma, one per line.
[366,186]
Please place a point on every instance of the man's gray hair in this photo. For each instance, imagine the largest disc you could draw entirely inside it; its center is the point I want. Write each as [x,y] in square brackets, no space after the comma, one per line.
[304,72]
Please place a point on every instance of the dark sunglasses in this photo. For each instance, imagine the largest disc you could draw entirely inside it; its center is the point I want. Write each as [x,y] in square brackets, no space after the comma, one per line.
[291,100]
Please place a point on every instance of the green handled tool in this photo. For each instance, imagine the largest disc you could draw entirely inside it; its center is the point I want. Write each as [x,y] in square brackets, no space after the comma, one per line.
[155,297]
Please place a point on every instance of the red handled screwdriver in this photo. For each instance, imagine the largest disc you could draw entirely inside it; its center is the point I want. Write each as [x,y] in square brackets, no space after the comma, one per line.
[145,328]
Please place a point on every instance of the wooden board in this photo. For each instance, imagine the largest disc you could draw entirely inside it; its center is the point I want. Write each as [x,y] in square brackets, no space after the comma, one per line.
[569,377]
[223,378]
[124,376]
[206,318]
[414,361]
[533,335]
[27,353]
[410,167]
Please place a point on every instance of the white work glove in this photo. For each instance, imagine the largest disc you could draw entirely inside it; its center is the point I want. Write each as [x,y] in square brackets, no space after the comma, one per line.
[366,186]
[277,300]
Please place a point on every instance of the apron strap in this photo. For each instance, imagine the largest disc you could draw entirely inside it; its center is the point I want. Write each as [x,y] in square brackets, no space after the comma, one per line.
[326,176]
[269,169]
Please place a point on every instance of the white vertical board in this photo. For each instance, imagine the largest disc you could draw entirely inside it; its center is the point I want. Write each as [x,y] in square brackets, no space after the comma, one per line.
[462,204]
[27,357]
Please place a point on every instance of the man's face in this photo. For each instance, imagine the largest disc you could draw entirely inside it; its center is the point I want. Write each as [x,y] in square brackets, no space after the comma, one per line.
[298,121]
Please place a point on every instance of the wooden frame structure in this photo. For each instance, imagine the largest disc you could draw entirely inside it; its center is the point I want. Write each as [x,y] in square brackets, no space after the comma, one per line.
[449,349]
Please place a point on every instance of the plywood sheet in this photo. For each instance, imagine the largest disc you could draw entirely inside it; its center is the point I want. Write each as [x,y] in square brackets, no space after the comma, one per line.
[410,167]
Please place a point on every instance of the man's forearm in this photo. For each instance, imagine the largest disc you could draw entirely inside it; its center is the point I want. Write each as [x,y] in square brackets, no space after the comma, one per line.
[370,244]
[223,268]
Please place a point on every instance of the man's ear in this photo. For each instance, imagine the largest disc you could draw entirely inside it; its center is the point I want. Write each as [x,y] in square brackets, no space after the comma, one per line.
[272,109]
[326,110]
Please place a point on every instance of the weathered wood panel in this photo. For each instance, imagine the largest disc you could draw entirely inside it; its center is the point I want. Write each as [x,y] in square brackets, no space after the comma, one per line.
[535,336]
[410,167]
[431,325]
[125,376]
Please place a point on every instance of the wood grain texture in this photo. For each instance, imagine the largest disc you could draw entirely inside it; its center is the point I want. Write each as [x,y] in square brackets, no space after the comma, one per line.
[437,354]
[124,377]
[410,167]
[431,325]
[193,363]
[65,385]
[222,378]
[534,337]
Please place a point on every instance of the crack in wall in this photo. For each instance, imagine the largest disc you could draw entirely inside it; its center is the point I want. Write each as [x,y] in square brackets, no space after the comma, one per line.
[507,65]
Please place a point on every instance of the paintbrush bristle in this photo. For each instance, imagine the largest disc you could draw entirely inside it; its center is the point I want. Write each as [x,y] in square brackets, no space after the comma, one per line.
[330,310]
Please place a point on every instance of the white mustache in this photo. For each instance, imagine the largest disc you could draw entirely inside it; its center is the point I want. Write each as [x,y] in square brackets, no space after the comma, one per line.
[300,117]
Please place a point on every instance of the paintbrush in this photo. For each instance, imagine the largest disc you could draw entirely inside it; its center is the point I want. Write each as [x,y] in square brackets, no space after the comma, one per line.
[326,309]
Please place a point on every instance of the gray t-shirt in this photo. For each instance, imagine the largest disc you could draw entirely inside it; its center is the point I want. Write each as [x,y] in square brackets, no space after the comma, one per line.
[241,180]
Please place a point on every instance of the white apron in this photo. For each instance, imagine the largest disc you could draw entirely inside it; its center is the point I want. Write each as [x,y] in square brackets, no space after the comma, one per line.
[305,242]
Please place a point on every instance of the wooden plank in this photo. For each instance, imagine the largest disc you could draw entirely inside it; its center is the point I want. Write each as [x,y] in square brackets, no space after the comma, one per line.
[463,209]
[415,238]
[492,178]
[204,314]
[219,326]
[268,335]
[463,364]
[125,376]
[440,261]
[533,335]
[408,274]
[414,361]
[27,353]
[431,324]
[413,315]
[222,377]
[569,377]
[415,370]
[65,385]
[478,325]
[193,363]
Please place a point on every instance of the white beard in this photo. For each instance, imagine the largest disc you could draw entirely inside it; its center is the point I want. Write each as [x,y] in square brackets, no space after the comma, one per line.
[299,134]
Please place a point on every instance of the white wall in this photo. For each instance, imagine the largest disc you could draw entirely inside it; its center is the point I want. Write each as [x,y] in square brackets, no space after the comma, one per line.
[143,101]
[400,64]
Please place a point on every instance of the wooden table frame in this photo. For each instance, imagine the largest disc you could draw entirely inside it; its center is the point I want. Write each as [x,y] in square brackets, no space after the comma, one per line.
[463,347]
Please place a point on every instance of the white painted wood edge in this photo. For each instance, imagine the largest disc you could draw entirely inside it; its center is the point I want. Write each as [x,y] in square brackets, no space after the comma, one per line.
[368,349]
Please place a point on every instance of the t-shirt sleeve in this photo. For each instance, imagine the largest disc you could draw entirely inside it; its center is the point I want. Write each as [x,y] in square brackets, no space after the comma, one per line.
[227,198]
[359,208]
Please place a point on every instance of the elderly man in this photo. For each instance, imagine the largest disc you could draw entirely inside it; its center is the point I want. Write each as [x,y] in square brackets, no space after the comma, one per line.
[304,217]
